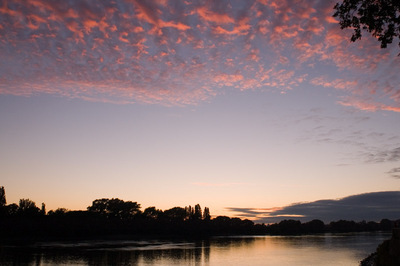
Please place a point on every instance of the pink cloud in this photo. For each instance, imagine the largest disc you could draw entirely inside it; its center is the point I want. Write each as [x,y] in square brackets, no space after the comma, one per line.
[177,53]
[241,27]
[366,105]
[254,55]
[331,19]
[150,13]
[176,25]
[391,108]
[227,79]
[211,16]
[340,84]
[286,31]
[250,84]
[280,79]
[147,12]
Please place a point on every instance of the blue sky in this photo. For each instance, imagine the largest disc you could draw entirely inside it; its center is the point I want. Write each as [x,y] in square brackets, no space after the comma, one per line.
[245,104]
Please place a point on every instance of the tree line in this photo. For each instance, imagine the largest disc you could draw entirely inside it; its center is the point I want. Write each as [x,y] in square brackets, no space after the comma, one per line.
[118,218]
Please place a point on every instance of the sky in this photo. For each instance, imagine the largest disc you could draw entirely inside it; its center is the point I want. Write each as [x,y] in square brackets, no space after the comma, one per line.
[235,105]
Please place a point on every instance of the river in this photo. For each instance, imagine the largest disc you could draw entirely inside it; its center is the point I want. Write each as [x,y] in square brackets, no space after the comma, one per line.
[325,249]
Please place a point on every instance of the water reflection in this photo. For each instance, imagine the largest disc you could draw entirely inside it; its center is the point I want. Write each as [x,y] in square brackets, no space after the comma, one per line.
[329,249]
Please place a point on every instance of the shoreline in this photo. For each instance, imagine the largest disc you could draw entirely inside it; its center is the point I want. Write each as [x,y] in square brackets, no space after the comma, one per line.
[387,253]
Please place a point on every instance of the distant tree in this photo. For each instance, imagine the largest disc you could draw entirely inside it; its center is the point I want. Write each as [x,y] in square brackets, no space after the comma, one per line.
[152,213]
[28,207]
[290,227]
[3,200]
[344,226]
[222,219]
[99,206]
[386,225]
[189,212]
[115,208]
[43,209]
[12,209]
[176,214]
[58,211]
[197,212]
[314,226]
[221,223]
[372,226]
[123,209]
[379,17]
[206,214]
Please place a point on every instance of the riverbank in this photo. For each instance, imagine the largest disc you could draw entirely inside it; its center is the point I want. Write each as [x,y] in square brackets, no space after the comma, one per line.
[387,253]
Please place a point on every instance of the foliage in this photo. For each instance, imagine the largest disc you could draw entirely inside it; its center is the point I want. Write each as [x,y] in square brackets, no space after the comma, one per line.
[3,200]
[59,212]
[175,214]
[115,208]
[381,18]
[43,209]
[12,209]
[152,213]
[206,214]
[27,207]
[387,253]
[197,212]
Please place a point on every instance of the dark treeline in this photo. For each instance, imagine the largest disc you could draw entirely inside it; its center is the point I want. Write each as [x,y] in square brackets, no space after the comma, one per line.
[124,219]
[294,227]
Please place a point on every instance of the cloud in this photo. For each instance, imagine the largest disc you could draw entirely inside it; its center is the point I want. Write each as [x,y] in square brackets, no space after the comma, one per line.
[368,206]
[367,105]
[390,155]
[184,52]
[253,213]
[227,80]
[395,172]
[150,13]
[215,17]
[340,84]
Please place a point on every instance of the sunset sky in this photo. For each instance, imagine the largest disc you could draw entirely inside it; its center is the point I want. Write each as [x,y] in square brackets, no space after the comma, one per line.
[229,104]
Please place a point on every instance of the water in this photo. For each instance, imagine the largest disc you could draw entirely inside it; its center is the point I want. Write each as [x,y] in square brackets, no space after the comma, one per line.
[328,249]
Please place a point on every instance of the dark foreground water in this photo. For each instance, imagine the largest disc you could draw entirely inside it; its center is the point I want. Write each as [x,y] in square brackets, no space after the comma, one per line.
[328,249]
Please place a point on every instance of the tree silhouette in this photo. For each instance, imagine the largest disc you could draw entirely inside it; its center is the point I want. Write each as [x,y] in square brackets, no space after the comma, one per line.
[206,214]
[3,208]
[197,212]
[27,207]
[379,17]
[176,214]
[314,226]
[3,200]
[115,208]
[152,213]
[189,212]
[99,206]
[58,212]
[12,209]
[118,218]
[43,209]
